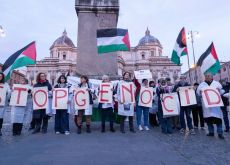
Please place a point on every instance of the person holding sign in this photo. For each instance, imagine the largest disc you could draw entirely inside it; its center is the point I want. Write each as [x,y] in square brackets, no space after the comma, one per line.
[142,108]
[165,122]
[184,110]
[154,109]
[126,101]
[106,102]
[19,110]
[40,115]
[4,98]
[212,115]
[86,102]
[61,115]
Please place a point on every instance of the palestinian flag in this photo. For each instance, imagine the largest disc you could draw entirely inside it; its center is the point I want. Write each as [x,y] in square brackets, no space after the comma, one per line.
[180,48]
[208,61]
[25,56]
[112,40]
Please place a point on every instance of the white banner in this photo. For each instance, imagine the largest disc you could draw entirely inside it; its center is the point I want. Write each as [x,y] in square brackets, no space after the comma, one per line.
[60,98]
[127,93]
[106,93]
[81,98]
[143,74]
[187,96]
[2,95]
[170,104]
[146,97]
[19,95]
[40,98]
[211,97]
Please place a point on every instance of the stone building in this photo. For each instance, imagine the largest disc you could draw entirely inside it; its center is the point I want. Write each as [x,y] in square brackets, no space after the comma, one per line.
[62,60]
[148,54]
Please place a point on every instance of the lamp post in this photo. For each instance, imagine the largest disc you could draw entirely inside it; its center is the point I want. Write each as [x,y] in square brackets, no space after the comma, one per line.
[192,35]
[2,32]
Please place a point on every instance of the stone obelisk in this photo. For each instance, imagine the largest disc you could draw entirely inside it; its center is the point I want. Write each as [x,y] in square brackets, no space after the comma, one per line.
[93,15]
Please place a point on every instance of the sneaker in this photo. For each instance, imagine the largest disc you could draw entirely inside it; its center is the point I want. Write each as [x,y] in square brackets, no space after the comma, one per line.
[140,128]
[221,136]
[182,130]
[146,128]
[57,132]
[192,132]
[112,130]
[67,133]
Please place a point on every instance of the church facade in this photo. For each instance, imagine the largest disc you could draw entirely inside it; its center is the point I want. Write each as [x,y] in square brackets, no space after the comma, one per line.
[148,54]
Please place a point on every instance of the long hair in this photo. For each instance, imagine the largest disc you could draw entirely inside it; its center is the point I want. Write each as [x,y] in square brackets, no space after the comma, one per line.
[59,79]
[85,77]
[3,78]
[38,76]
[125,74]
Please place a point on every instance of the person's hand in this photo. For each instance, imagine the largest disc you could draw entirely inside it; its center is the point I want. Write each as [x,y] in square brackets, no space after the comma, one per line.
[177,89]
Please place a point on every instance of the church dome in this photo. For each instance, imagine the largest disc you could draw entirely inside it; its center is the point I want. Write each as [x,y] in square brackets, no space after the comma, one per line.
[64,40]
[148,39]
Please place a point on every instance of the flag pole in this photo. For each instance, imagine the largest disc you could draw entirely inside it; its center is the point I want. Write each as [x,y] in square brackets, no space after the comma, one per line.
[189,71]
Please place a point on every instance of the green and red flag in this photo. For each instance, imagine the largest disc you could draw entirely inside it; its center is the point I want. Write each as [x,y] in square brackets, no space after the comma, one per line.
[23,57]
[112,40]
[180,48]
[208,61]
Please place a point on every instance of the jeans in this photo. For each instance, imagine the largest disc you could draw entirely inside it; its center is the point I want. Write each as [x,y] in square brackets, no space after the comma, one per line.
[166,123]
[212,120]
[107,112]
[145,111]
[225,117]
[187,112]
[197,114]
[61,121]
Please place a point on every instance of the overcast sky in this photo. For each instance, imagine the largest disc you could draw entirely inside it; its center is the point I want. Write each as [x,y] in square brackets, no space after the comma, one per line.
[44,21]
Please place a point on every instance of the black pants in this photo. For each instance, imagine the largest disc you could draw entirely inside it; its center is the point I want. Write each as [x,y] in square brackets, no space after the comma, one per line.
[122,123]
[197,114]
[17,128]
[153,119]
[61,121]
[41,120]
[107,113]
[225,117]
[32,123]
[1,122]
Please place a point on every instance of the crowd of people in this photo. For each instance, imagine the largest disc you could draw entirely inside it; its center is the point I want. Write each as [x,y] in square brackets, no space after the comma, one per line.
[189,119]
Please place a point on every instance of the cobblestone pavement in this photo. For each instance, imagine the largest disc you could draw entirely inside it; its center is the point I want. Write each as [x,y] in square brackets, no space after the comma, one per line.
[142,148]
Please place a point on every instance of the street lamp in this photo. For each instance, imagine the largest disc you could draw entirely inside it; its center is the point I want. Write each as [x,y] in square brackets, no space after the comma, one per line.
[2,32]
[192,35]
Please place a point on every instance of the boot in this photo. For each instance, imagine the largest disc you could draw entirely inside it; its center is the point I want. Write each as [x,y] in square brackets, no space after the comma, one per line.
[19,128]
[111,128]
[131,127]
[1,122]
[102,128]
[78,129]
[88,130]
[122,125]
[14,129]
[221,136]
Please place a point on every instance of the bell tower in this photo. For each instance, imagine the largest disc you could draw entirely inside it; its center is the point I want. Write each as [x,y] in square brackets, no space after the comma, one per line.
[93,15]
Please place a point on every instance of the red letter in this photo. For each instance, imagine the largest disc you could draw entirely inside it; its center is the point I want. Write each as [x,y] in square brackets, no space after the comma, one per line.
[59,97]
[187,96]
[103,91]
[35,101]
[208,98]
[167,97]
[130,90]
[19,92]
[83,100]
[150,98]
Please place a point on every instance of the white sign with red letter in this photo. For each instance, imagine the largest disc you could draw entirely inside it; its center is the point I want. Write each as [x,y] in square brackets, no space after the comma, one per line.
[81,98]
[127,93]
[60,98]
[40,98]
[187,96]
[19,95]
[106,93]
[211,97]
[170,104]
[2,95]
[146,97]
